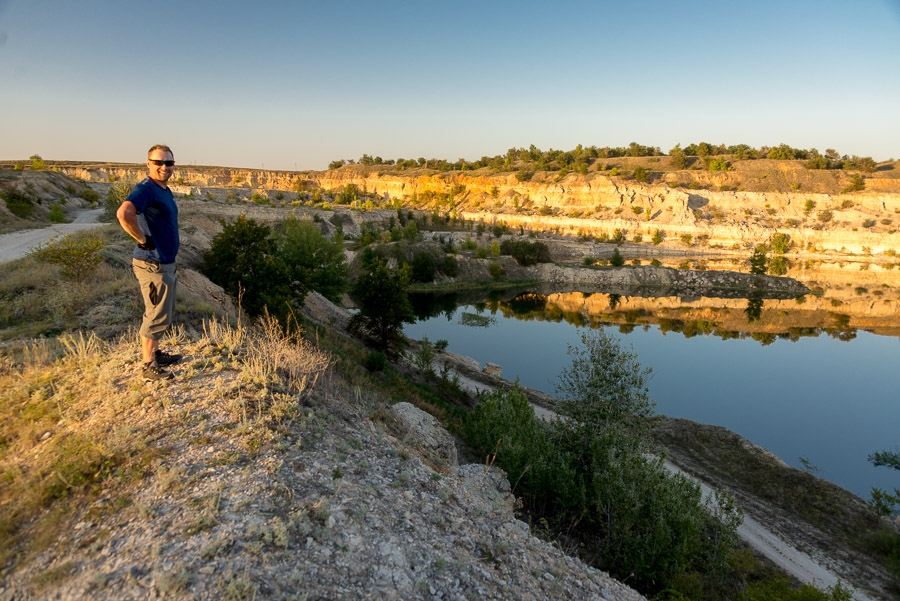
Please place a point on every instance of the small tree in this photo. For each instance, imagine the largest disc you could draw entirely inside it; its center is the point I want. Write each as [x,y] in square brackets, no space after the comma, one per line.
[884,502]
[617,260]
[77,257]
[640,174]
[758,260]
[383,305]
[243,258]
[423,267]
[313,261]
[56,214]
[37,163]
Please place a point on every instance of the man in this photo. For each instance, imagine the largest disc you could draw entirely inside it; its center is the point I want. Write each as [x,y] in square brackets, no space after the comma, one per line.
[150,216]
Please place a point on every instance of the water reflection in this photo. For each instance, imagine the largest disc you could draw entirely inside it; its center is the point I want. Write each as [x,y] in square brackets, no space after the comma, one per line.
[761,317]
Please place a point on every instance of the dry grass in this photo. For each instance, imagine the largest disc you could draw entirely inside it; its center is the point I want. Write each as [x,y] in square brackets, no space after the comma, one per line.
[75,419]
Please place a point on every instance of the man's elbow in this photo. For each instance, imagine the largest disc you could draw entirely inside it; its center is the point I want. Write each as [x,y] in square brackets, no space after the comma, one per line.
[126,212]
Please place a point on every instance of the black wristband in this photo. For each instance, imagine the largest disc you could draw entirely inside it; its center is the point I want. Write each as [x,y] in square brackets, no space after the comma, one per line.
[147,244]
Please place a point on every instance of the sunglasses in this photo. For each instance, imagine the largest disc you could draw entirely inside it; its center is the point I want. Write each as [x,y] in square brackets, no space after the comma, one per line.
[161,163]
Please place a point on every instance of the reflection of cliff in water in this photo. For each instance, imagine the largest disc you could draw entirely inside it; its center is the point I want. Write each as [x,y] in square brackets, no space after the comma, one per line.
[763,319]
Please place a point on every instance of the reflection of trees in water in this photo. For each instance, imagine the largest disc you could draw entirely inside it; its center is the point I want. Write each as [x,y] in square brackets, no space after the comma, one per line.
[428,305]
[754,309]
[531,305]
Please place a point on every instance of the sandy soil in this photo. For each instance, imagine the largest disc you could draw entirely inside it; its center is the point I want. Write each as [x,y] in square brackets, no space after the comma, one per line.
[18,244]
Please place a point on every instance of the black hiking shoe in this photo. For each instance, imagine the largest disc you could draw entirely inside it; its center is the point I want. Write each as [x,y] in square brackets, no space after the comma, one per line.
[164,359]
[152,372]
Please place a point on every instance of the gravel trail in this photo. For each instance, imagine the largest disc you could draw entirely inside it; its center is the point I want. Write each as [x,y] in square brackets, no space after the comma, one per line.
[18,244]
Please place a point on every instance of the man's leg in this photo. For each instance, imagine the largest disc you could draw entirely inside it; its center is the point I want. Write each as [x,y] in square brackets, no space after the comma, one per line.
[148,349]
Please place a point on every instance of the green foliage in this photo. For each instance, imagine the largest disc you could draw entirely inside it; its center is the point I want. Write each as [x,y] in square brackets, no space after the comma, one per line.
[496,270]
[686,239]
[19,204]
[883,502]
[450,266]
[383,305]
[495,249]
[312,261]
[375,361]
[37,163]
[808,206]
[481,253]
[781,589]
[824,216]
[115,196]
[617,260]
[780,243]
[640,174]
[56,214]
[657,237]
[718,165]
[777,266]
[679,159]
[77,257]
[423,267]
[526,252]
[243,258]
[758,260]
[593,469]
[605,386]
[19,166]
[857,183]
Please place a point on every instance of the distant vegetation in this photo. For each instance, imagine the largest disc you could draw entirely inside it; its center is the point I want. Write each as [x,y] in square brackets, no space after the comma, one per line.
[714,157]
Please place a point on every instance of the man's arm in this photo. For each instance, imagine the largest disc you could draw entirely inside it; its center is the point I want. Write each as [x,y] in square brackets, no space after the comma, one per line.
[127,216]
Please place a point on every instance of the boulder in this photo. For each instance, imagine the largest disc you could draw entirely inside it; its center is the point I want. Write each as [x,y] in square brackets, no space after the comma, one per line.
[492,369]
[490,485]
[425,434]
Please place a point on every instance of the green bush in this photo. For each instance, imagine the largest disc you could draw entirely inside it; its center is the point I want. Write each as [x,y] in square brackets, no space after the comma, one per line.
[89,194]
[481,253]
[423,267]
[640,174]
[593,470]
[37,163]
[780,243]
[657,236]
[617,260]
[19,166]
[244,259]
[526,252]
[313,262]
[56,214]
[77,257]
[450,266]
[115,196]
[19,204]
[375,361]
[496,270]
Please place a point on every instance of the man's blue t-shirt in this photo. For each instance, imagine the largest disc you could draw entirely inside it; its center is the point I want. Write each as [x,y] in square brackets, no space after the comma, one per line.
[157,216]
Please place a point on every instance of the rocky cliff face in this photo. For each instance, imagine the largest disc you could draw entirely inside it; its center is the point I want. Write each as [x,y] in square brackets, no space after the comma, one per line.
[814,214]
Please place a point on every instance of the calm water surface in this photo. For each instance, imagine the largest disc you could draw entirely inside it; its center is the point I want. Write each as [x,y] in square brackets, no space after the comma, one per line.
[829,401]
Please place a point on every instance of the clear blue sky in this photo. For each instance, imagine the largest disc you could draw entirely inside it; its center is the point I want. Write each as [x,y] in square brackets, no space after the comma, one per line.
[298,84]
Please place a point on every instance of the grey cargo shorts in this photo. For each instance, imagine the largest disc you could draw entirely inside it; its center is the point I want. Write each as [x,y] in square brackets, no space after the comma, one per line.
[157,281]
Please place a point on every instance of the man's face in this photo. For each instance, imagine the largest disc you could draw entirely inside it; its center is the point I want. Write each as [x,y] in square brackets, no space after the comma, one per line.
[159,171]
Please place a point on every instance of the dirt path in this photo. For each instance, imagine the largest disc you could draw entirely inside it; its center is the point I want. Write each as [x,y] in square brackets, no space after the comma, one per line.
[18,244]
[799,564]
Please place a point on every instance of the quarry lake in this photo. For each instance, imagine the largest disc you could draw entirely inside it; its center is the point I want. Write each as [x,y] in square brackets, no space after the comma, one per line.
[785,374]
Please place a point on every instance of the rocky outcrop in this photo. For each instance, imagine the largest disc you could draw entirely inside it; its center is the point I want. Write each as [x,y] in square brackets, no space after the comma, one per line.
[424,433]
